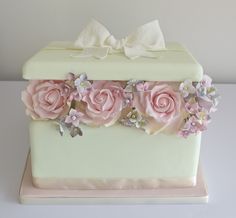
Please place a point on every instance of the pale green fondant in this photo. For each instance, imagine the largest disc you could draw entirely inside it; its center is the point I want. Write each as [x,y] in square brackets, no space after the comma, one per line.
[113,152]
[55,61]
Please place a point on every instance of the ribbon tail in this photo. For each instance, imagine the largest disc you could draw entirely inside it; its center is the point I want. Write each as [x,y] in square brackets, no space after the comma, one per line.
[136,52]
[97,52]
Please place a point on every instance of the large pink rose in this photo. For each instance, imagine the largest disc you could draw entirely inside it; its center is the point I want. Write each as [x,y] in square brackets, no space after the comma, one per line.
[104,103]
[46,99]
[158,101]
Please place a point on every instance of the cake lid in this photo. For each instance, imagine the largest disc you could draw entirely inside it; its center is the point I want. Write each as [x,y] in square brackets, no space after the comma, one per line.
[142,55]
[56,61]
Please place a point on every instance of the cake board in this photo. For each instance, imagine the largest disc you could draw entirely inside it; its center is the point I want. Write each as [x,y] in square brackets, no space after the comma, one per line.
[29,194]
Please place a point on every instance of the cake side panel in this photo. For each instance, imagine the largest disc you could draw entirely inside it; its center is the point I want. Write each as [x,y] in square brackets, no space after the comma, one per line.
[115,154]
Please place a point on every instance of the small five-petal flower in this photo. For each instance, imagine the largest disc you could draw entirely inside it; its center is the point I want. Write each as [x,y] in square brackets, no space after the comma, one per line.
[73,117]
[187,88]
[82,84]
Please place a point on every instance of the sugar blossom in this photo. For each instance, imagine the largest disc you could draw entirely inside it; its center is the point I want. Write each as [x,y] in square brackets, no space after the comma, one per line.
[199,103]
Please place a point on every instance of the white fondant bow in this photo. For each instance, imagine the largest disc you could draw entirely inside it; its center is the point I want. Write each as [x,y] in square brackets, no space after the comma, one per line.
[97,41]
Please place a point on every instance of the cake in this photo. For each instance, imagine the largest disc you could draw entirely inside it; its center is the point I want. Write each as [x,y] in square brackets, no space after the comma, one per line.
[116,114]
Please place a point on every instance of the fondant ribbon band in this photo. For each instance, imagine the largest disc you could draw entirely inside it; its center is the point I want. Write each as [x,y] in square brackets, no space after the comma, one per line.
[96,41]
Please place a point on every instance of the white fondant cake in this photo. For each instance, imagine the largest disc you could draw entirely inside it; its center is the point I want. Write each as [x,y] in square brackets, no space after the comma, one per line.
[130,119]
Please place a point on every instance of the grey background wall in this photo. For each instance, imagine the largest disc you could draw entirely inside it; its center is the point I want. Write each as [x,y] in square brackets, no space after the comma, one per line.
[206,27]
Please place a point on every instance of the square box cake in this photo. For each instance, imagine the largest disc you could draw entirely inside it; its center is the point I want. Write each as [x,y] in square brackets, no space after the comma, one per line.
[116,114]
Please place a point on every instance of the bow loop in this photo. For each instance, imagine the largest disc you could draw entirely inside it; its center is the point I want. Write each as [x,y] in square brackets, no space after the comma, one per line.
[93,35]
[148,36]
[97,41]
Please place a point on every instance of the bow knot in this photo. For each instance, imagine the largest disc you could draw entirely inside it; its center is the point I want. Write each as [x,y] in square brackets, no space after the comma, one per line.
[116,43]
[96,41]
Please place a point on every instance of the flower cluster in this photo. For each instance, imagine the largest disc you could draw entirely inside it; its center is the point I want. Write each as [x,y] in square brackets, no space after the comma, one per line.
[200,99]
[151,106]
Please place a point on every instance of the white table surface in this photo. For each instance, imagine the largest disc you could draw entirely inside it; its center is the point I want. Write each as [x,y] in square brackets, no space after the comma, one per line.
[218,157]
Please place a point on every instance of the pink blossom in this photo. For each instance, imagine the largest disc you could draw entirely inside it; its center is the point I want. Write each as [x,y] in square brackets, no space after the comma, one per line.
[46,99]
[192,106]
[205,82]
[73,117]
[184,133]
[160,102]
[104,102]
[206,103]
[194,125]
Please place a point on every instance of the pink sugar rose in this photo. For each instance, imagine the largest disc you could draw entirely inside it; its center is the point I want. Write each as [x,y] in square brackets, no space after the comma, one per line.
[159,101]
[46,99]
[104,102]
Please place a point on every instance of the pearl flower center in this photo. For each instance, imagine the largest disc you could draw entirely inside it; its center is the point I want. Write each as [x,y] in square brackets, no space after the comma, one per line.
[73,117]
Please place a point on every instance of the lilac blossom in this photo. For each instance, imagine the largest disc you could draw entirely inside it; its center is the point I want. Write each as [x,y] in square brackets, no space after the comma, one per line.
[73,117]
[82,84]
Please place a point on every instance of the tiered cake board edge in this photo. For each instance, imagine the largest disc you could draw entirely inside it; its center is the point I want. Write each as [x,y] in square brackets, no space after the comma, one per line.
[29,194]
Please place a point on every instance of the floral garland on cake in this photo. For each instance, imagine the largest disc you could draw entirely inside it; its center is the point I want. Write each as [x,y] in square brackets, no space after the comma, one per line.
[168,107]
